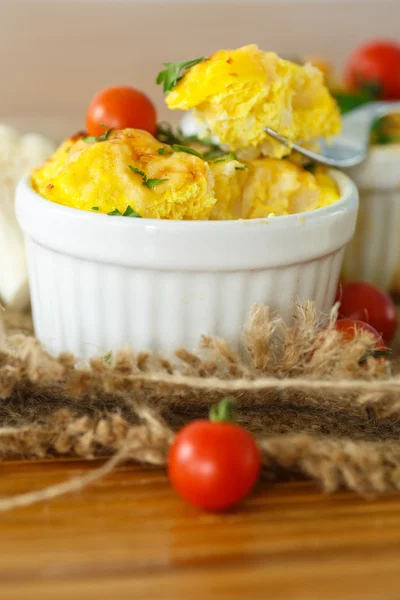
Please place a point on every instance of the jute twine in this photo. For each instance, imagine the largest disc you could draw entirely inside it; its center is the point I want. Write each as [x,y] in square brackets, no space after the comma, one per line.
[314,406]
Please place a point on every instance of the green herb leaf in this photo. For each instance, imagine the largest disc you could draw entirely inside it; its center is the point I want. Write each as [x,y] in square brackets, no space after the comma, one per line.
[149,183]
[375,353]
[310,167]
[213,154]
[382,353]
[179,148]
[372,89]
[377,134]
[163,151]
[174,72]
[230,156]
[224,412]
[152,183]
[101,138]
[382,134]
[167,135]
[107,357]
[242,168]
[205,141]
[131,213]
[347,101]
[95,208]
[138,171]
[388,139]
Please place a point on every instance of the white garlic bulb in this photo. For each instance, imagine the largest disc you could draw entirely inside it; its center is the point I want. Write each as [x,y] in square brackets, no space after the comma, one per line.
[18,154]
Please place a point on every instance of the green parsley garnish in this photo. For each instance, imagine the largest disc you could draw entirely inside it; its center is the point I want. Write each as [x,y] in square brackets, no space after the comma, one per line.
[167,135]
[179,148]
[152,183]
[138,171]
[375,353]
[95,208]
[149,183]
[348,101]
[373,89]
[213,154]
[163,151]
[107,357]
[129,212]
[378,133]
[219,154]
[310,167]
[241,168]
[230,156]
[384,139]
[174,72]
[205,141]
[101,138]
[384,131]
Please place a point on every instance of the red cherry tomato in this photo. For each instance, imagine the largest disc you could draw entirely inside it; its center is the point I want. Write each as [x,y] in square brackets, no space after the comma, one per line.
[376,63]
[348,328]
[365,302]
[213,465]
[120,107]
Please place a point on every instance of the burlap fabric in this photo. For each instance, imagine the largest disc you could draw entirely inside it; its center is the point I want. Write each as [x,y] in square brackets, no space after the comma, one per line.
[315,407]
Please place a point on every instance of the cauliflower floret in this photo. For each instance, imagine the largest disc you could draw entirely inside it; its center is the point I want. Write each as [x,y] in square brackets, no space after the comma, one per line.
[18,155]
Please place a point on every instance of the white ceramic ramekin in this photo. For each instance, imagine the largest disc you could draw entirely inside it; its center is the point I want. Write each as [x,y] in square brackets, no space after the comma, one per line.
[374,253]
[99,282]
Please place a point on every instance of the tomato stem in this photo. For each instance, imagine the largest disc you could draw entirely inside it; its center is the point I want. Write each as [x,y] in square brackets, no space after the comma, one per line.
[377,353]
[224,411]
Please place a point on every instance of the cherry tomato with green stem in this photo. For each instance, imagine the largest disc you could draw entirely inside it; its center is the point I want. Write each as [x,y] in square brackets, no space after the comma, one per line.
[375,68]
[213,464]
[364,302]
[349,327]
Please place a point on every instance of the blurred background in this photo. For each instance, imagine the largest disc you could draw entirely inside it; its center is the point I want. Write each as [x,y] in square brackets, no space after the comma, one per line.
[55,54]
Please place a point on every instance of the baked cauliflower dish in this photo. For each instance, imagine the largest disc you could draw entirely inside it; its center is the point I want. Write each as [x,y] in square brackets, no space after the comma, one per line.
[241,173]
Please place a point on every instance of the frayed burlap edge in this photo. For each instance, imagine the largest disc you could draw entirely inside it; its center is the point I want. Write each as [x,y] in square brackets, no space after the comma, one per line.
[313,407]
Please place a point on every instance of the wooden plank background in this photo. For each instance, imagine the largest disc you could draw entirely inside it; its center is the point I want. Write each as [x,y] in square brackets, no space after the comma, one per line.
[129,536]
[54,54]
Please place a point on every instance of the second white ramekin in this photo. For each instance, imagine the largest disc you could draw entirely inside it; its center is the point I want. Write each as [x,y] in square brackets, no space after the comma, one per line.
[99,282]
[374,253]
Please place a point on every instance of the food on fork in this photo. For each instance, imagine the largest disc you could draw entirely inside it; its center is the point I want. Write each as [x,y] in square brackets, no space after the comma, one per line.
[235,94]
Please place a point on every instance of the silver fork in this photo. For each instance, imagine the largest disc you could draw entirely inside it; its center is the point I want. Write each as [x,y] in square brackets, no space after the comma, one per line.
[349,148]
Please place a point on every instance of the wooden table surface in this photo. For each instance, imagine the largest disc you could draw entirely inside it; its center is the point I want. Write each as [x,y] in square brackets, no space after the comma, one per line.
[129,536]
